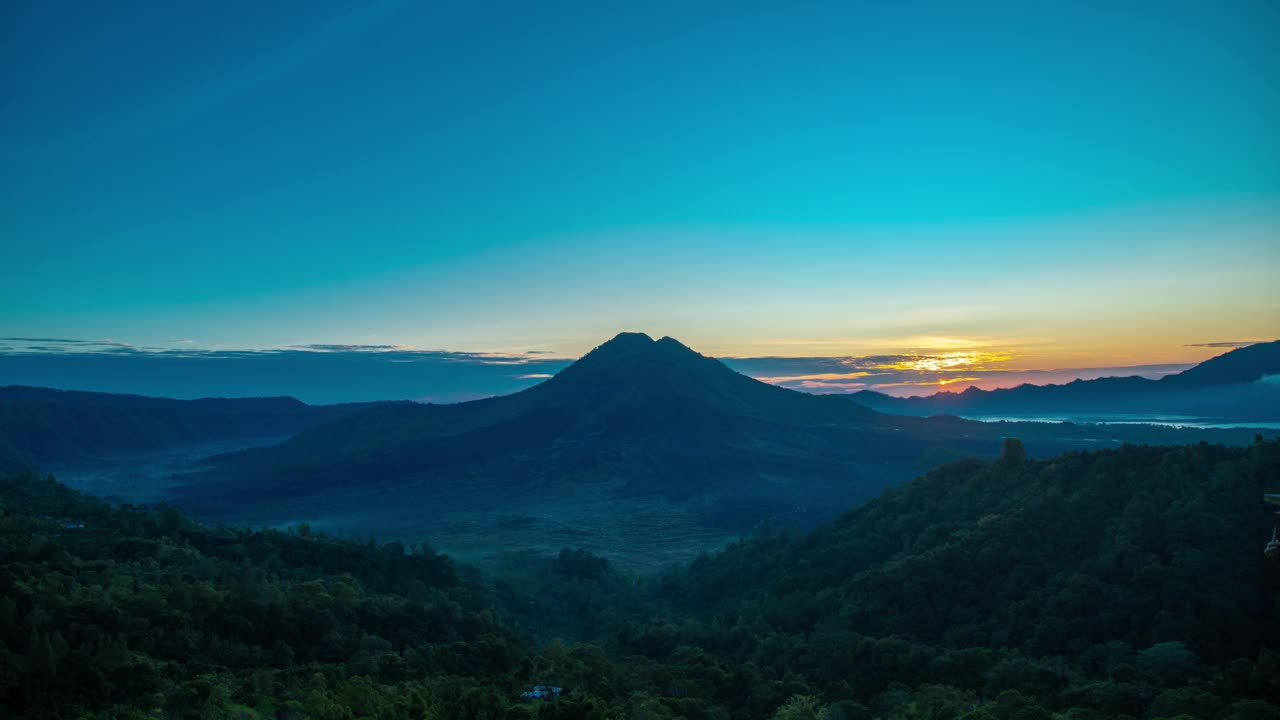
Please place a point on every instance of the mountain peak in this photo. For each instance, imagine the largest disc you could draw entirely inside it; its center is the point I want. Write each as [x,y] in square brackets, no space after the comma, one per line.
[670,342]
[627,339]
[635,370]
[637,348]
[641,341]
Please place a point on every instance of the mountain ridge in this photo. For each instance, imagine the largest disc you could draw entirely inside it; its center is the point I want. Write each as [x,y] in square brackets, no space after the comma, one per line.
[39,426]
[1224,387]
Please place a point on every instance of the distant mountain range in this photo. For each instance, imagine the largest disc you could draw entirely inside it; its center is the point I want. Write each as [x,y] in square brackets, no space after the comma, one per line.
[39,426]
[634,421]
[1231,387]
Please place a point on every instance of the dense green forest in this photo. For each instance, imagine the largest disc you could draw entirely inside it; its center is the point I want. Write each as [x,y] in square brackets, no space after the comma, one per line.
[1121,583]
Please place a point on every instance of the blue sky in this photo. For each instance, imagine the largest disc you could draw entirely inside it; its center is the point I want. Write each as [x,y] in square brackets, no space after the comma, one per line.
[1072,184]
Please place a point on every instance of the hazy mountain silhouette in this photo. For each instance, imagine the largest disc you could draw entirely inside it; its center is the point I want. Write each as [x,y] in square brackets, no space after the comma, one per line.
[1229,387]
[41,425]
[634,418]
[1242,365]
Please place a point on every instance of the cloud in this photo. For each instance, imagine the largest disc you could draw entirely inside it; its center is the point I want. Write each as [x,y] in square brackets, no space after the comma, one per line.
[106,345]
[392,372]
[317,373]
[1226,344]
[348,348]
[825,386]
[930,383]
[840,374]
[822,377]
[390,352]
[919,373]
[46,340]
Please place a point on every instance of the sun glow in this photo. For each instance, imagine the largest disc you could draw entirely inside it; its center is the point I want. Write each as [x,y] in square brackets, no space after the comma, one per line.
[779,379]
[942,362]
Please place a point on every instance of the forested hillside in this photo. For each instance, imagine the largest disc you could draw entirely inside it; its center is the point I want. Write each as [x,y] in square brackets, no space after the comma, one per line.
[143,611]
[1122,583]
[1130,582]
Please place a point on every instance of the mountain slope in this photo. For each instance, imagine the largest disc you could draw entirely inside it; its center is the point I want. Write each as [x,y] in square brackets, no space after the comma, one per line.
[1005,541]
[638,432]
[1242,365]
[1128,581]
[1225,387]
[638,416]
[42,425]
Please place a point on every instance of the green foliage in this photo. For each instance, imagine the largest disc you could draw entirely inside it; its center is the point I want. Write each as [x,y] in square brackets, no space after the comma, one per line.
[1125,583]
[102,609]
[1097,581]
[802,707]
[1171,661]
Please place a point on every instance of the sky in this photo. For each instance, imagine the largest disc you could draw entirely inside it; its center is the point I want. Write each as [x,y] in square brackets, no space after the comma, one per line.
[1022,187]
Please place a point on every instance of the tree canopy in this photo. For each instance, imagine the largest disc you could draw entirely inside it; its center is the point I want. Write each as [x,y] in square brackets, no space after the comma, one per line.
[1122,583]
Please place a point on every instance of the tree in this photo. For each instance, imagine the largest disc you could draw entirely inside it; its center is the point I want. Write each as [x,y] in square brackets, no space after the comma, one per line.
[1170,661]
[1012,453]
[802,707]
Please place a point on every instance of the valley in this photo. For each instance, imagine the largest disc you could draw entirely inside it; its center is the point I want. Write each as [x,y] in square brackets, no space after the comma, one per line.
[644,452]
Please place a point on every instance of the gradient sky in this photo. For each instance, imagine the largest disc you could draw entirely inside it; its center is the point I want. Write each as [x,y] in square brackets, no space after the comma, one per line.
[1048,185]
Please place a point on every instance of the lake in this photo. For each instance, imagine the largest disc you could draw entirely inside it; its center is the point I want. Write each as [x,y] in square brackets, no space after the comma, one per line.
[1177,421]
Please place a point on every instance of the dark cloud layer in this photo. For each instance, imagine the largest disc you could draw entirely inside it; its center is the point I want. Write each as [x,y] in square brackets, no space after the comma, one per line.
[1226,344]
[315,374]
[347,348]
[46,340]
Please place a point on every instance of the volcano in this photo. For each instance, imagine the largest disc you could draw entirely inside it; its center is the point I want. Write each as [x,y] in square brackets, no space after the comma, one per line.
[635,426]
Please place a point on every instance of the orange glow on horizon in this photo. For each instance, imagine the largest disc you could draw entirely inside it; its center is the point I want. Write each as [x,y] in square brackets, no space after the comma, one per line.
[816,376]
[941,362]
